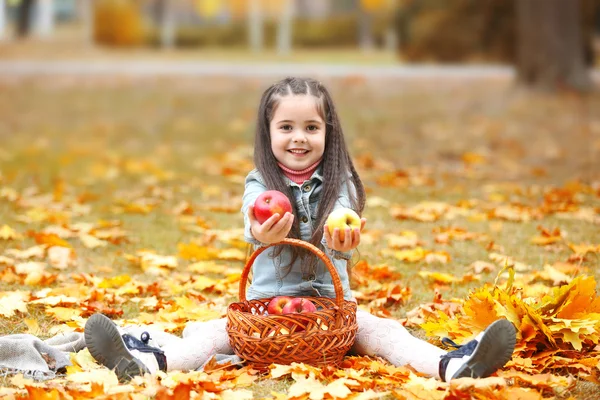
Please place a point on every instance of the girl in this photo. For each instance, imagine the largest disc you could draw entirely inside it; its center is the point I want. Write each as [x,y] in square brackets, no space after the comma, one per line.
[300,151]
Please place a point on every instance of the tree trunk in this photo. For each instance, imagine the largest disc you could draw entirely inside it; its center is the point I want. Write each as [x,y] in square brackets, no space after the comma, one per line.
[86,14]
[44,18]
[550,45]
[24,18]
[255,26]
[365,30]
[284,30]
[166,22]
[2,18]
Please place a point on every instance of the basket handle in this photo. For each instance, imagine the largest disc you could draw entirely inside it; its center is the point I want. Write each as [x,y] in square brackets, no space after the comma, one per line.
[337,283]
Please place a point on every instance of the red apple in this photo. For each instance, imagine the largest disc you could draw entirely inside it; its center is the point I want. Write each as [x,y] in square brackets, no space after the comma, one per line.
[269,203]
[277,304]
[299,305]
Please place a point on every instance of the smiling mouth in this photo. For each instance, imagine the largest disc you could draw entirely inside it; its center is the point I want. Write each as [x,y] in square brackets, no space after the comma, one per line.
[298,151]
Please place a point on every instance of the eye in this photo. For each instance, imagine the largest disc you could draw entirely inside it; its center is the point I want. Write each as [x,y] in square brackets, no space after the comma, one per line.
[312,128]
[285,127]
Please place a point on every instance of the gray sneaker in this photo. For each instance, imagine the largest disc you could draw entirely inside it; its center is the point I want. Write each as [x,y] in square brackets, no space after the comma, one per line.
[483,355]
[106,345]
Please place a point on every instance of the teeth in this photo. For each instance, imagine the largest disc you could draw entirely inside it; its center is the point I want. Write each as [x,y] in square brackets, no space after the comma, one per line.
[299,151]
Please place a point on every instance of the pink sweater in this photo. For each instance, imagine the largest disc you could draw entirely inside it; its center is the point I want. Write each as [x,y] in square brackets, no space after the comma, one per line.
[299,176]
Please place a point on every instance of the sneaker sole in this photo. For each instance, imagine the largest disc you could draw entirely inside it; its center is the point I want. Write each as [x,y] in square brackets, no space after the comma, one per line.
[492,352]
[107,347]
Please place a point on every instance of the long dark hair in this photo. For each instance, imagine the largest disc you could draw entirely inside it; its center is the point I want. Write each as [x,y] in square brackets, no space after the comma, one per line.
[336,162]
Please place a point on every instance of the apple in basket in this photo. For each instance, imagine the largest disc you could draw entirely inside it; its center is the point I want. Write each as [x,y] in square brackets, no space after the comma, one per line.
[277,304]
[299,305]
[343,218]
[269,203]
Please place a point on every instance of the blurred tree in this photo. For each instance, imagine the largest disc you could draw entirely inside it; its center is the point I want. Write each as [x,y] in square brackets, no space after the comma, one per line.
[2,18]
[85,12]
[255,24]
[284,29]
[24,12]
[44,18]
[164,15]
[366,8]
[550,45]
[118,22]
[475,30]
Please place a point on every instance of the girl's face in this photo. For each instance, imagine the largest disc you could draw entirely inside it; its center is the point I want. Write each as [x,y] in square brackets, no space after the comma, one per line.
[297,132]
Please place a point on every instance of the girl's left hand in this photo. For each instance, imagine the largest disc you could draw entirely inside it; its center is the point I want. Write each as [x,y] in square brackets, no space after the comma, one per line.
[351,237]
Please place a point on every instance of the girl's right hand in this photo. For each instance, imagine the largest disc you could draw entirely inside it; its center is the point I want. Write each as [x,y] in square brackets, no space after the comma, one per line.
[273,230]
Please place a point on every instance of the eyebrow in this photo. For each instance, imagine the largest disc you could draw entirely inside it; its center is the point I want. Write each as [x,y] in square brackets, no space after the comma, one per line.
[290,121]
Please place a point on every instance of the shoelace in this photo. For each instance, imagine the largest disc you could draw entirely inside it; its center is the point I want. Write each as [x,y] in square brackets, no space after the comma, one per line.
[142,346]
[460,349]
[450,343]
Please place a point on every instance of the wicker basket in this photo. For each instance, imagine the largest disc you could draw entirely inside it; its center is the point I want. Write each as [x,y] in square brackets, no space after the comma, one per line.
[322,337]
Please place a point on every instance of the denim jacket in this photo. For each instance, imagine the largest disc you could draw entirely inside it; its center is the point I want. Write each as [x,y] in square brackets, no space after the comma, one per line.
[272,275]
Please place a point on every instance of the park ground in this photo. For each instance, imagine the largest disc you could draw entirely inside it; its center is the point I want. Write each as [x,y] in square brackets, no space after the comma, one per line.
[122,195]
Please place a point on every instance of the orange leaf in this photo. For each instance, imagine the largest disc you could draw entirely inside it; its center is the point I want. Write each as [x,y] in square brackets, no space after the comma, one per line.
[50,239]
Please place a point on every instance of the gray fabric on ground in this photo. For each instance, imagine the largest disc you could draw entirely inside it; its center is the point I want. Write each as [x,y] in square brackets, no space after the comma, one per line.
[36,358]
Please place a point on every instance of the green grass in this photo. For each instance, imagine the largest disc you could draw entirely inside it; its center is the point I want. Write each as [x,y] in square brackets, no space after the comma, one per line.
[173,136]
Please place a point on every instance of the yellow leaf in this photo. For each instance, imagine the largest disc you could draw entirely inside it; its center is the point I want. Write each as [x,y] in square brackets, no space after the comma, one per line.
[6,260]
[32,326]
[32,252]
[204,267]
[482,266]
[437,257]
[8,233]
[114,282]
[583,249]
[56,300]
[92,242]
[106,377]
[438,277]
[30,267]
[156,264]
[192,251]
[469,385]
[63,314]
[317,391]
[84,360]
[61,257]
[473,158]
[232,255]
[412,255]
[50,239]
[406,240]
[11,302]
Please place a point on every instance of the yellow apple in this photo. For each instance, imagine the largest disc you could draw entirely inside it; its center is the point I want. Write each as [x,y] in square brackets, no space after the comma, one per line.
[343,218]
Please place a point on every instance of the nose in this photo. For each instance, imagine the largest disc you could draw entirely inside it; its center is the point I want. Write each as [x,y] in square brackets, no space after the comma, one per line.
[299,136]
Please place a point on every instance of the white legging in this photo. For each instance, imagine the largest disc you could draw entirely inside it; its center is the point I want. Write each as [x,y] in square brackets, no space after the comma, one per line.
[382,337]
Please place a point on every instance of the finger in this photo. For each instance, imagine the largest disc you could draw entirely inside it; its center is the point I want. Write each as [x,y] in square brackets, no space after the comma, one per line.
[288,226]
[251,214]
[280,227]
[356,238]
[268,224]
[327,235]
[336,239]
[363,222]
[347,238]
